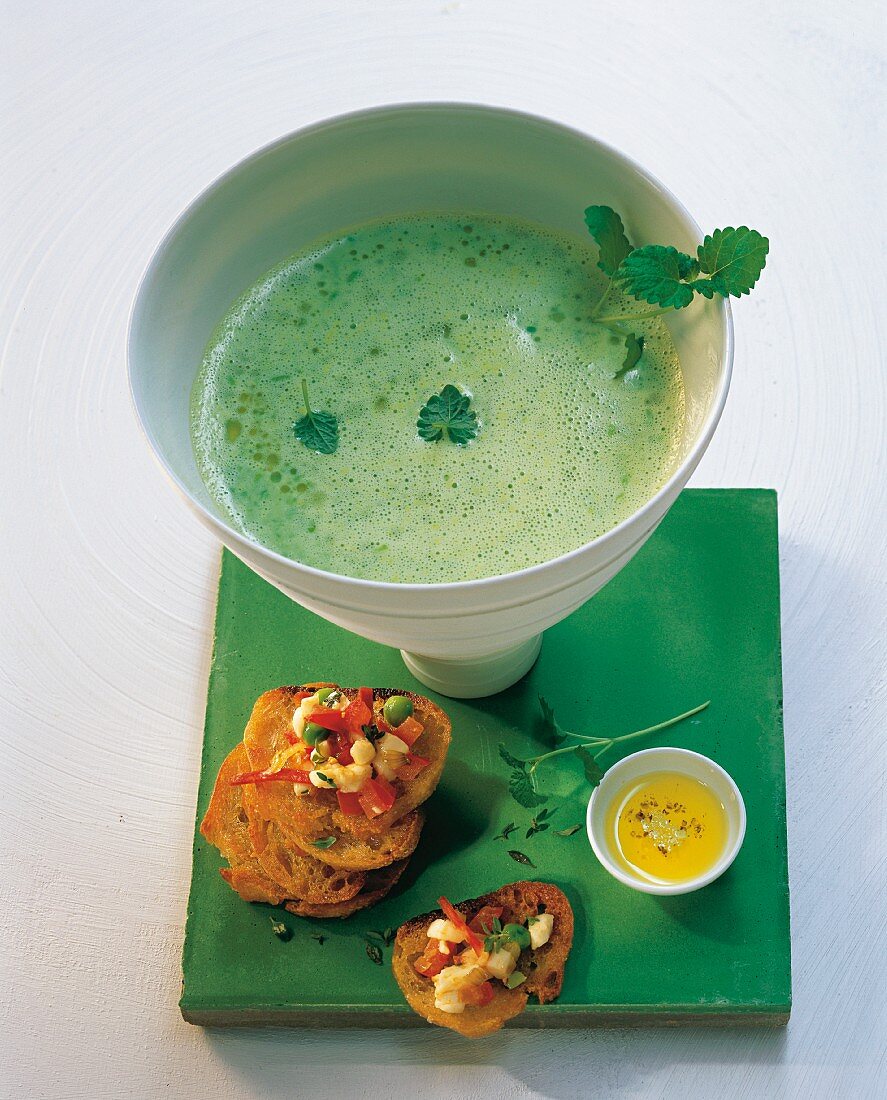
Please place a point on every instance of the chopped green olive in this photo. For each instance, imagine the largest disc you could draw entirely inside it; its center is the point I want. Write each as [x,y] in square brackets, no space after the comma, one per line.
[396,710]
[312,733]
[324,694]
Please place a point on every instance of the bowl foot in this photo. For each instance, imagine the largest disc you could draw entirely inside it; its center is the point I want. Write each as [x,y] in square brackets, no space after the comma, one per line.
[475,677]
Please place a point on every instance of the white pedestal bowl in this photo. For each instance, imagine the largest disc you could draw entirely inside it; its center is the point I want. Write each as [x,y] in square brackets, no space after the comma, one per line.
[464,639]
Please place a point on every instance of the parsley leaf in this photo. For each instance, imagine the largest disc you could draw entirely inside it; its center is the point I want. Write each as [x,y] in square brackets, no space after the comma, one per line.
[658,274]
[521,786]
[319,431]
[522,790]
[594,773]
[448,414]
[547,729]
[519,857]
[605,225]
[734,259]
[506,832]
[374,953]
[568,831]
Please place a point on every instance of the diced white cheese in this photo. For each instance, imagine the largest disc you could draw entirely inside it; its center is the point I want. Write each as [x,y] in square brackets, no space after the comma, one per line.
[392,743]
[457,977]
[449,1002]
[540,930]
[348,778]
[469,957]
[500,964]
[441,929]
[324,784]
[387,763]
[362,751]
[298,721]
[301,788]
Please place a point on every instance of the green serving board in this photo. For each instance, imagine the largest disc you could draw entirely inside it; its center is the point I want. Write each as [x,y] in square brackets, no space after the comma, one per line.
[694,616]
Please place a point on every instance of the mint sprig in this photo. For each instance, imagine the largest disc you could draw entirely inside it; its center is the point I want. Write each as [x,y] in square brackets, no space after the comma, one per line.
[448,414]
[729,263]
[319,431]
[523,784]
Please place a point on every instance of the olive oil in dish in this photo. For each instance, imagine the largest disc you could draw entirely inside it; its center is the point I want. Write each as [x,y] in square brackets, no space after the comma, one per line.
[373,323]
[667,827]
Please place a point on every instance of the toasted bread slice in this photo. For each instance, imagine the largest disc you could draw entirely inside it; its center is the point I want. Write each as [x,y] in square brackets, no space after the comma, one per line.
[263,866]
[226,826]
[372,852]
[378,884]
[317,814]
[544,966]
[293,869]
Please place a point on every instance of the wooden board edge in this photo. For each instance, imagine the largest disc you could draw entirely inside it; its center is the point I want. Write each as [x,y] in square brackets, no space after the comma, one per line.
[380,1018]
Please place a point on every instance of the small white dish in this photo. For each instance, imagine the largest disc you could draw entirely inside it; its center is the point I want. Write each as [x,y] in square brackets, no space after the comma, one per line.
[647,762]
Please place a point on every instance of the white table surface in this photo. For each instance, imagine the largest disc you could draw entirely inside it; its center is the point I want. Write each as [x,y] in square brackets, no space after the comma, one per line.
[113,116]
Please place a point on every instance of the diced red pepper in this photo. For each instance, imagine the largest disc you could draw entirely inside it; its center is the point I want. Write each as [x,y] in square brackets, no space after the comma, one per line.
[332,720]
[300,695]
[455,917]
[434,960]
[366,694]
[382,726]
[484,917]
[357,715]
[340,747]
[477,994]
[349,803]
[285,775]
[376,796]
[412,767]
[409,730]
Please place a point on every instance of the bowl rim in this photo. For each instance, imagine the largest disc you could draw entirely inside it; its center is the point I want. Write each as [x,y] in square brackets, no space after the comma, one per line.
[669,889]
[499,580]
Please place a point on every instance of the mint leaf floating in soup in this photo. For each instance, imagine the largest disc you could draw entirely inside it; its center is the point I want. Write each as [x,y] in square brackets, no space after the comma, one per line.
[605,225]
[448,414]
[634,349]
[319,431]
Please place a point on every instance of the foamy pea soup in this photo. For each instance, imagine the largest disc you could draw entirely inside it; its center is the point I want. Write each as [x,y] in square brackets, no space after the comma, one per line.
[377,321]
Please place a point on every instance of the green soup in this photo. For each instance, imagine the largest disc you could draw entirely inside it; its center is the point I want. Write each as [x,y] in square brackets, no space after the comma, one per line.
[379,320]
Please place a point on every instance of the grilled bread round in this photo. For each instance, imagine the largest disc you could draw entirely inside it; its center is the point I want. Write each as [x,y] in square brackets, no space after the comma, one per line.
[378,884]
[544,966]
[261,864]
[305,818]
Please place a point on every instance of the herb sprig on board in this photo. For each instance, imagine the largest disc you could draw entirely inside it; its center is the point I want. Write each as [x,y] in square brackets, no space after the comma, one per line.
[523,783]
[728,262]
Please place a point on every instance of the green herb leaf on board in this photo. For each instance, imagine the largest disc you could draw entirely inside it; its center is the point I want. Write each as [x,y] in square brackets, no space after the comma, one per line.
[519,857]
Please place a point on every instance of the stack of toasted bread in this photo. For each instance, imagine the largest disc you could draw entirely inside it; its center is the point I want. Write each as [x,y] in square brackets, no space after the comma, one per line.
[298,847]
